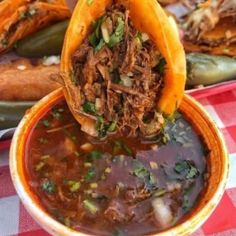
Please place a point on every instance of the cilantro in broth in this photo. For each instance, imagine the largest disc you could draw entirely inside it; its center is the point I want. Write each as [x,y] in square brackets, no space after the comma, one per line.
[140,171]
[187,168]
[90,175]
[48,186]
[95,155]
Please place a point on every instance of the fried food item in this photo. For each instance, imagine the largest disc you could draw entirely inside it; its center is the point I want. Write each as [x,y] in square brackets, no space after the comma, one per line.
[211,28]
[22,81]
[21,18]
[165,39]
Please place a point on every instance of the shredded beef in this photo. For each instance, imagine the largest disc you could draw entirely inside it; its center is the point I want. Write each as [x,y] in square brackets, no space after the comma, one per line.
[118,212]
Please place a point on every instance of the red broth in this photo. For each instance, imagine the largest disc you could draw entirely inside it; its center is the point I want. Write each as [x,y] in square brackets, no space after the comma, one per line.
[117,186]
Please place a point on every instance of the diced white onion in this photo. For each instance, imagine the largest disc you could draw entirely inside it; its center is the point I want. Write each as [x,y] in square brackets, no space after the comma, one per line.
[162,212]
[51,60]
[127,82]
[173,186]
[21,67]
[145,37]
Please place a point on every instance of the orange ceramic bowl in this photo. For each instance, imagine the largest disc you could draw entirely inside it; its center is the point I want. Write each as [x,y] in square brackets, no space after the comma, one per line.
[217,167]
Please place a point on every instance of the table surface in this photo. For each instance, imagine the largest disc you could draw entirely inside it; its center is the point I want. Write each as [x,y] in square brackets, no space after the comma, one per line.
[14,220]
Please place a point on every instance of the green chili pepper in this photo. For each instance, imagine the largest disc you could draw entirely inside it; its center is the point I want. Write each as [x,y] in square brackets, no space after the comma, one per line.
[12,112]
[203,69]
[46,42]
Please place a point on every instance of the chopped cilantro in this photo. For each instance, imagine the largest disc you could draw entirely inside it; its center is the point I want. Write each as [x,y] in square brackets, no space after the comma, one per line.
[192,173]
[89,107]
[48,186]
[185,202]
[112,126]
[140,171]
[96,40]
[56,114]
[46,123]
[94,155]
[161,66]
[90,174]
[93,40]
[181,166]
[117,36]
[100,45]
[119,146]
[187,168]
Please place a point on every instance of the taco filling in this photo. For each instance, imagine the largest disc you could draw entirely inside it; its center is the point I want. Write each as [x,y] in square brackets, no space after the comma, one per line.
[119,72]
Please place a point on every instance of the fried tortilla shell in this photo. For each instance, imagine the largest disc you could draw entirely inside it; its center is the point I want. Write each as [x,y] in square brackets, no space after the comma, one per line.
[158,27]
[22,81]
[27,19]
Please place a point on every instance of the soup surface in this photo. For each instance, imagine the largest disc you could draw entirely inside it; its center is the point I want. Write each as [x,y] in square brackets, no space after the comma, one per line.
[117,186]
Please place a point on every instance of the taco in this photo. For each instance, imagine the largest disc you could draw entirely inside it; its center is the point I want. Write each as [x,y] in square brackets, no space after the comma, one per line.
[21,18]
[123,66]
[211,28]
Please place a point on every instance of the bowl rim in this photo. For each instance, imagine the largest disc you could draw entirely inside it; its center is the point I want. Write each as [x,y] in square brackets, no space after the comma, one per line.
[53,226]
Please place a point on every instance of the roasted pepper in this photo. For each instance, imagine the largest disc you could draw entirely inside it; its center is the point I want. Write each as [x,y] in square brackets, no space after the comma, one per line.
[12,112]
[206,69]
[46,42]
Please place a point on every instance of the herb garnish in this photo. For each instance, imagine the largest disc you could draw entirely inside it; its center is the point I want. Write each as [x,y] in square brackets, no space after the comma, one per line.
[90,174]
[117,36]
[160,67]
[95,155]
[187,168]
[89,107]
[48,186]
[119,146]
[140,171]
[96,39]
[46,123]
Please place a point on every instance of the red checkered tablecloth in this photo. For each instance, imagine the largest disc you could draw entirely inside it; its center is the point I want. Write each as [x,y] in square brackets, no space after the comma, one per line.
[14,220]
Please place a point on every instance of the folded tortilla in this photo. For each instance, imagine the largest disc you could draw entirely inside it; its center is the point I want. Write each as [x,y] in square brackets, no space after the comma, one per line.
[158,27]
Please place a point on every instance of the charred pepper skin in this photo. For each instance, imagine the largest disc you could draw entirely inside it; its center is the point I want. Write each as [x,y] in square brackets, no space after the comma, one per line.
[46,42]
[12,112]
[204,69]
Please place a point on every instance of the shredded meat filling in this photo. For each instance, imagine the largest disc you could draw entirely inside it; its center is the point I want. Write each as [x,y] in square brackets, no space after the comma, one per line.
[121,78]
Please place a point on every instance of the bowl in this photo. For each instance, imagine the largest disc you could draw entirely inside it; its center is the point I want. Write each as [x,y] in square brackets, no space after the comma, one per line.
[217,167]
